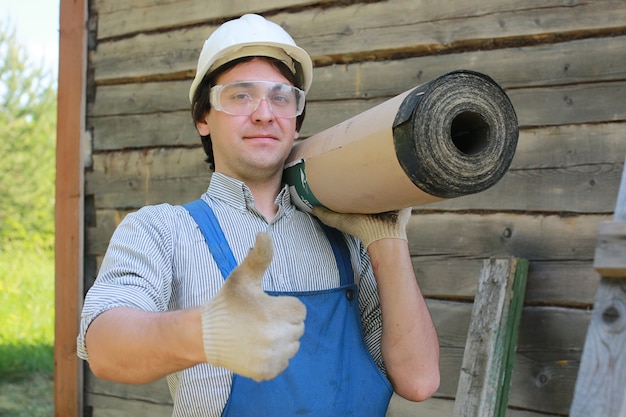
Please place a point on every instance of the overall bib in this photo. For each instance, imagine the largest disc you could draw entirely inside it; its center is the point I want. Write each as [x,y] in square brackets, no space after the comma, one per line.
[333,373]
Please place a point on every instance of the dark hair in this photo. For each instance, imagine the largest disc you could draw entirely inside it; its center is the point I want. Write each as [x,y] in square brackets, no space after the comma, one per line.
[201,103]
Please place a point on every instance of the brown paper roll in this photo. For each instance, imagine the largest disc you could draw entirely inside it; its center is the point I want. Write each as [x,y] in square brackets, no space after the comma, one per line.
[453,136]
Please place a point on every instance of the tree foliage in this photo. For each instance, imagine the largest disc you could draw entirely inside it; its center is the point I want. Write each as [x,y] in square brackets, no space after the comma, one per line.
[27,147]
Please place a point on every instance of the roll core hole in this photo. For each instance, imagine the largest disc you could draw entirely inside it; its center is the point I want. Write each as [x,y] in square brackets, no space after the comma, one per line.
[469,133]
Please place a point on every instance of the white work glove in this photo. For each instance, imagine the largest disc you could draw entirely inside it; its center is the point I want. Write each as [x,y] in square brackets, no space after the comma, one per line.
[246,330]
[367,227]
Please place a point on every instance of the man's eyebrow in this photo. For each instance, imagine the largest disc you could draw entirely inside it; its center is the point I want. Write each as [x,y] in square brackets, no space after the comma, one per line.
[281,87]
[243,83]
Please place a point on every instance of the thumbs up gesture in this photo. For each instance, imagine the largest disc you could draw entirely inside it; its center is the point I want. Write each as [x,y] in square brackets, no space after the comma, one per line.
[246,330]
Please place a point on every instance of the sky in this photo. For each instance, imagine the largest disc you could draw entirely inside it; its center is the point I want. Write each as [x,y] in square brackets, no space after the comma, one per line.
[36,23]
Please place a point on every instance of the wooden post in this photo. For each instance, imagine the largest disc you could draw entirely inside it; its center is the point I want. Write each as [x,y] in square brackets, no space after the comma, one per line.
[485,378]
[68,389]
[601,384]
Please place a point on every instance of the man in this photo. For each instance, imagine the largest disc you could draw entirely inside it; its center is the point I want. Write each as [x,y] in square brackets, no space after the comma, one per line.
[311,321]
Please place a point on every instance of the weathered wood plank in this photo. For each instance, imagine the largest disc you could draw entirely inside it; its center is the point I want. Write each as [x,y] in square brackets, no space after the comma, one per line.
[485,377]
[572,62]
[566,283]
[574,104]
[119,17]
[440,407]
[579,61]
[147,130]
[569,104]
[426,27]
[600,385]
[156,392]
[106,406]
[591,187]
[375,30]
[559,105]
[534,237]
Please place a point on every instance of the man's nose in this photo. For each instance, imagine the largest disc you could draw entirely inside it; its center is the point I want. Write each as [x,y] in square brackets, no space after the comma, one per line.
[263,110]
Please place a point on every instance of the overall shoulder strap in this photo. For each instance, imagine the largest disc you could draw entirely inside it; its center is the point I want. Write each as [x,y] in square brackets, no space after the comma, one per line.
[342,254]
[213,235]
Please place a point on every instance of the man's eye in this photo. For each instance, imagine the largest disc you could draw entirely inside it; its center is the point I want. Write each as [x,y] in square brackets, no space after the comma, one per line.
[281,99]
[240,96]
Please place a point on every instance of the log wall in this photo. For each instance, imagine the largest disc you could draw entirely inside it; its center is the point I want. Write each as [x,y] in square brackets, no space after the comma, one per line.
[560,61]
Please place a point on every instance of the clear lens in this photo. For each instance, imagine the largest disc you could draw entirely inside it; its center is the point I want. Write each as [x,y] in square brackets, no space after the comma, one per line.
[243,98]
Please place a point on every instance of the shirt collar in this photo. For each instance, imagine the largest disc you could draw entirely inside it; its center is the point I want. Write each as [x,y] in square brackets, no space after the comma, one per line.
[236,194]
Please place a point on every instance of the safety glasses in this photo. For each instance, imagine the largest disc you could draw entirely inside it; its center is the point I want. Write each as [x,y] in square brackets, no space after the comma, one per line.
[242,98]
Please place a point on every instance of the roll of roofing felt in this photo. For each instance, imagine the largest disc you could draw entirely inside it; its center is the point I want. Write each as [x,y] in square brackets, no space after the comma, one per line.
[452,136]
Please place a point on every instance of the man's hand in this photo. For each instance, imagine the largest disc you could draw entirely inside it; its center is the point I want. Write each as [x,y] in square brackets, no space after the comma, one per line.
[367,227]
[246,330]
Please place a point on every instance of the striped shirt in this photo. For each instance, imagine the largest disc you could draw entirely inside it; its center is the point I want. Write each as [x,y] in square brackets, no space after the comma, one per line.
[157,260]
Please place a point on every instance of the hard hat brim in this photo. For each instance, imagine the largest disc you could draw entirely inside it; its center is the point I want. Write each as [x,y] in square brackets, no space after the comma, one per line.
[268,49]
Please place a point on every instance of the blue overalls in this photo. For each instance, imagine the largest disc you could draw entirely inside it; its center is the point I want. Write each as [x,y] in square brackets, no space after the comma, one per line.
[333,373]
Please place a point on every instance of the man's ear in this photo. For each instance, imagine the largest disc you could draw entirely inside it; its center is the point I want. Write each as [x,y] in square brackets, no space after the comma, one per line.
[203,126]
[296,135]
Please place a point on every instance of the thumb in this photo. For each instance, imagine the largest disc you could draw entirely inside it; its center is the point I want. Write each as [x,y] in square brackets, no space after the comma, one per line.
[250,272]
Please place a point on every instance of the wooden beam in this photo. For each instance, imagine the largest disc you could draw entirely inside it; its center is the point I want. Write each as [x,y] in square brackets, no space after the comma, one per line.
[485,378]
[68,389]
[602,375]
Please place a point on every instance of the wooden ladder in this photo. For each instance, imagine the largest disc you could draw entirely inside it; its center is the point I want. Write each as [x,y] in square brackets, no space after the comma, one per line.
[601,385]
[485,378]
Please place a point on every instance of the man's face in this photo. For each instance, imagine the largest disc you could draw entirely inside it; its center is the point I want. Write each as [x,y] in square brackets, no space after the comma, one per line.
[254,147]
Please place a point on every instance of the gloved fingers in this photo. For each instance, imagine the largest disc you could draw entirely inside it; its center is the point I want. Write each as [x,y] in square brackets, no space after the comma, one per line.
[287,309]
[398,217]
[269,366]
[329,217]
[268,346]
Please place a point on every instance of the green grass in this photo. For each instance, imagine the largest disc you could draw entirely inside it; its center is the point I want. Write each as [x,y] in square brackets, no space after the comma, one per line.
[27,396]
[26,333]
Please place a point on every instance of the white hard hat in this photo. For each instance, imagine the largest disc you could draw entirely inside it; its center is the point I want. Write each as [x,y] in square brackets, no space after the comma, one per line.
[252,35]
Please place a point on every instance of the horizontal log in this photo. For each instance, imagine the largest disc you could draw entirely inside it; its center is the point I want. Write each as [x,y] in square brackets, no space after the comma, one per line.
[440,407]
[119,18]
[106,406]
[145,130]
[156,392]
[592,187]
[566,283]
[538,148]
[533,237]
[371,31]
[572,62]
[579,104]
[423,28]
